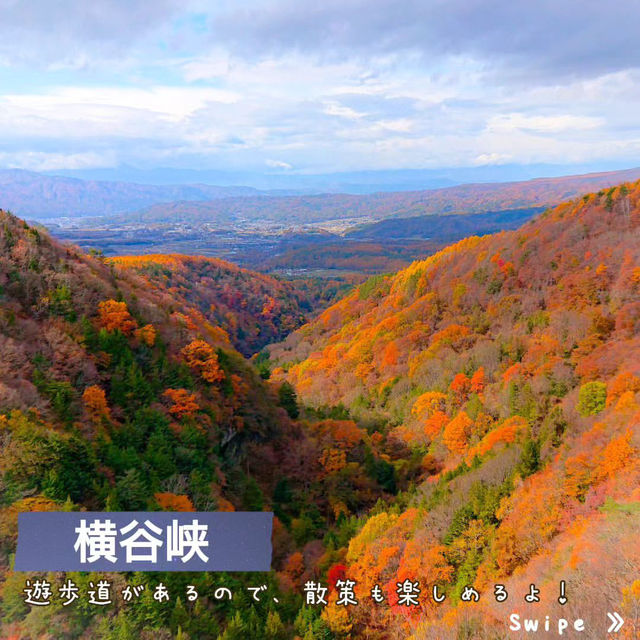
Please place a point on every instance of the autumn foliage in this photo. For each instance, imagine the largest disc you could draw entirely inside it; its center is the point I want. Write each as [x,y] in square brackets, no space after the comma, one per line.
[251,308]
[95,403]
[456,433]
[146,334]
[114,316]
[473,419]
[172,502]
[184,404]
[200,356]
[508,365]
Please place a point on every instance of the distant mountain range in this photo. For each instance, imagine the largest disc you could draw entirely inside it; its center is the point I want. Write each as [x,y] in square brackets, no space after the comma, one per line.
[313,209]
[383,246]
[44,197]
[41,196]
[354,182]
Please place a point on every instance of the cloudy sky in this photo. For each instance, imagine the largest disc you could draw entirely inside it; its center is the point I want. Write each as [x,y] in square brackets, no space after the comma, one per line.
[309,87]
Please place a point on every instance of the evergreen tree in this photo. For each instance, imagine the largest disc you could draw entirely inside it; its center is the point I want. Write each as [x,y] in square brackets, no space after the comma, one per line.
[288,400]
[530,459]
[274,629]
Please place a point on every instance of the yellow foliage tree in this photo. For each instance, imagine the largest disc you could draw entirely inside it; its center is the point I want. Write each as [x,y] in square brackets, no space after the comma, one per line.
[631,609]
[428,403]
[338,619]
[626,402]
[373,528]
[473,540]
[9,516]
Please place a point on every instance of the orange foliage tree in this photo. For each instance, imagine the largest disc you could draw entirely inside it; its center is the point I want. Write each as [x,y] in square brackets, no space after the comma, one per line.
[333,460]
[577,476]
[344,434]
[200,356]
[146,334]
[184,403]
[516,540]
[456,433]
[622,383]
[114,316]
[506,433]
[173,502]
[460,385]
[477,381]
[95,403]
[294,566]
[390,355]
[435,424]
[616,456]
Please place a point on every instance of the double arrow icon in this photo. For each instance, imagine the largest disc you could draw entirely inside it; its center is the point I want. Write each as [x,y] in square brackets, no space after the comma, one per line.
[616,622]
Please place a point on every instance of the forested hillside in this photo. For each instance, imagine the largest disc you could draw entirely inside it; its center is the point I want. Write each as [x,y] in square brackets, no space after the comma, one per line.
[113,396]
[254,309]
[509,366]
[472,420]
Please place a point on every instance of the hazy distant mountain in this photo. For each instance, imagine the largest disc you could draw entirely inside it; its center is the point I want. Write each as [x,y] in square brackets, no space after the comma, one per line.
[35,195]
[469,198]
[43,197]
[354,182]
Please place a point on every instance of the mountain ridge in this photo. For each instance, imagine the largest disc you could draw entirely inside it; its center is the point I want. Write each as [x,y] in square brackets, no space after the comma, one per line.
[118,394]
[42,196]
[37,195]
[312,209]
[508,369]
[253,308]
[445,408]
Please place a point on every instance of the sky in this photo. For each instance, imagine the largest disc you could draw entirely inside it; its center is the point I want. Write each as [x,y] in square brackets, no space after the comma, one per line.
[294,87]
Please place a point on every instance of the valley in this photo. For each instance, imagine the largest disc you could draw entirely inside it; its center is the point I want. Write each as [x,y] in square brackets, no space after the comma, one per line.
[409,426]
[319,320]
[334,248]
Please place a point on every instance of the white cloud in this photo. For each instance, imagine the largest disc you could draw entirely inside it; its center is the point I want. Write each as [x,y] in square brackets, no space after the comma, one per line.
[337,109]
[207,68]
[398,125]
[214,109]
[172,103]
[43,161]
[278,164]
[542,124]
[491,158]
